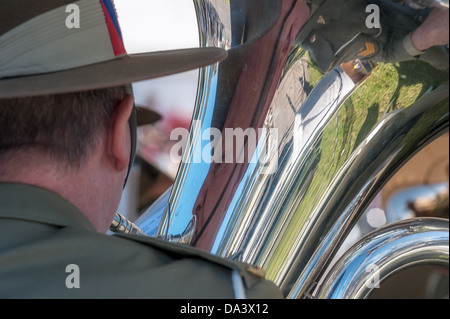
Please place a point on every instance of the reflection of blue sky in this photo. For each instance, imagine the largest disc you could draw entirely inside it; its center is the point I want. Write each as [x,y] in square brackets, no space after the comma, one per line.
[154,25]
[198,171]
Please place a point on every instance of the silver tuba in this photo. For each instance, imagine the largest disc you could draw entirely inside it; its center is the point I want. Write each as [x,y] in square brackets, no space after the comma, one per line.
[309,165]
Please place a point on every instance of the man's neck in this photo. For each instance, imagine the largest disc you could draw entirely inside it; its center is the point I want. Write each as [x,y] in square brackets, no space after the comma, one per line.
[83,188]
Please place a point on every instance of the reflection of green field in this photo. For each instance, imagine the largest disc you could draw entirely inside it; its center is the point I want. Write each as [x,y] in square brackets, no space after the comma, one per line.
[390,87]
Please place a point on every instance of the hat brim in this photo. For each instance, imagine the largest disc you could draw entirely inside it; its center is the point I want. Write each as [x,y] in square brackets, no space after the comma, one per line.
[146,116]
[121,71]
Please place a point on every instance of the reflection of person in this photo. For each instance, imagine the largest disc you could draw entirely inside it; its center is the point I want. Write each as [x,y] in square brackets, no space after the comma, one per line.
[434,31]
[339,34]
[65,142]
[427,41]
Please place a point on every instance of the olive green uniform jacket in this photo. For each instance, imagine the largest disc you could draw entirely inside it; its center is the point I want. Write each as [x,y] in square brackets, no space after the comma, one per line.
[48,249]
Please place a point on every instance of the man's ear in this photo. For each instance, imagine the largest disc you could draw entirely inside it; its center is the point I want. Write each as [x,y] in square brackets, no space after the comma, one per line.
[119,146]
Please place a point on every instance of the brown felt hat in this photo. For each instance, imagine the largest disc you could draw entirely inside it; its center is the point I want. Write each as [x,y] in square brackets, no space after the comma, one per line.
[61,46]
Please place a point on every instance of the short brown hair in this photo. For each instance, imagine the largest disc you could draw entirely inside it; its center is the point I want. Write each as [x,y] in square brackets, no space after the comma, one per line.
[64,126]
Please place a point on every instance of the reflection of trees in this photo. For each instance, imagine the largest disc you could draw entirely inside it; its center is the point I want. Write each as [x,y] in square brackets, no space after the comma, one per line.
[416,74]
[425,124]
[385,90]
[370,122]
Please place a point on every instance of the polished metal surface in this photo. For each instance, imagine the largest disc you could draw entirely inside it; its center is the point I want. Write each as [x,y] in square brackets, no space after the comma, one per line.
[288,211]
[442,3]
[236,95]
[174,223]
[121,224]
[403,244]
[397,136]
[425,200]
[214,23]
[150,219]
[432,3]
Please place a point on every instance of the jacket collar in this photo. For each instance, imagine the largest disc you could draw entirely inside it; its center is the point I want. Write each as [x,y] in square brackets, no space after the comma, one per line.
[32,203]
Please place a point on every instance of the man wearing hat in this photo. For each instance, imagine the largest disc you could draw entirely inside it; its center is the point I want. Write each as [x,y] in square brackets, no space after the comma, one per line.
[67,138]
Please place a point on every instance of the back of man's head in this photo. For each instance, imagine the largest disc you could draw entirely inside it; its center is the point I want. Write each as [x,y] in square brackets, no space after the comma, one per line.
[64,128]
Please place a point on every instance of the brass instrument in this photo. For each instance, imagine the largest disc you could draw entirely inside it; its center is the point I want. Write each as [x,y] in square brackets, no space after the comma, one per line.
[290,210]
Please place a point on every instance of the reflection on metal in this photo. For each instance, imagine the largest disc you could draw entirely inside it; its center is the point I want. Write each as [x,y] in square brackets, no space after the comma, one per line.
[291,220]
[150,219]
[401,245]
[120,224]
[442,3]
[431,3]
[363,171]
[185,237]
[214,20]
[180,223]
[419,201]
[224,101]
